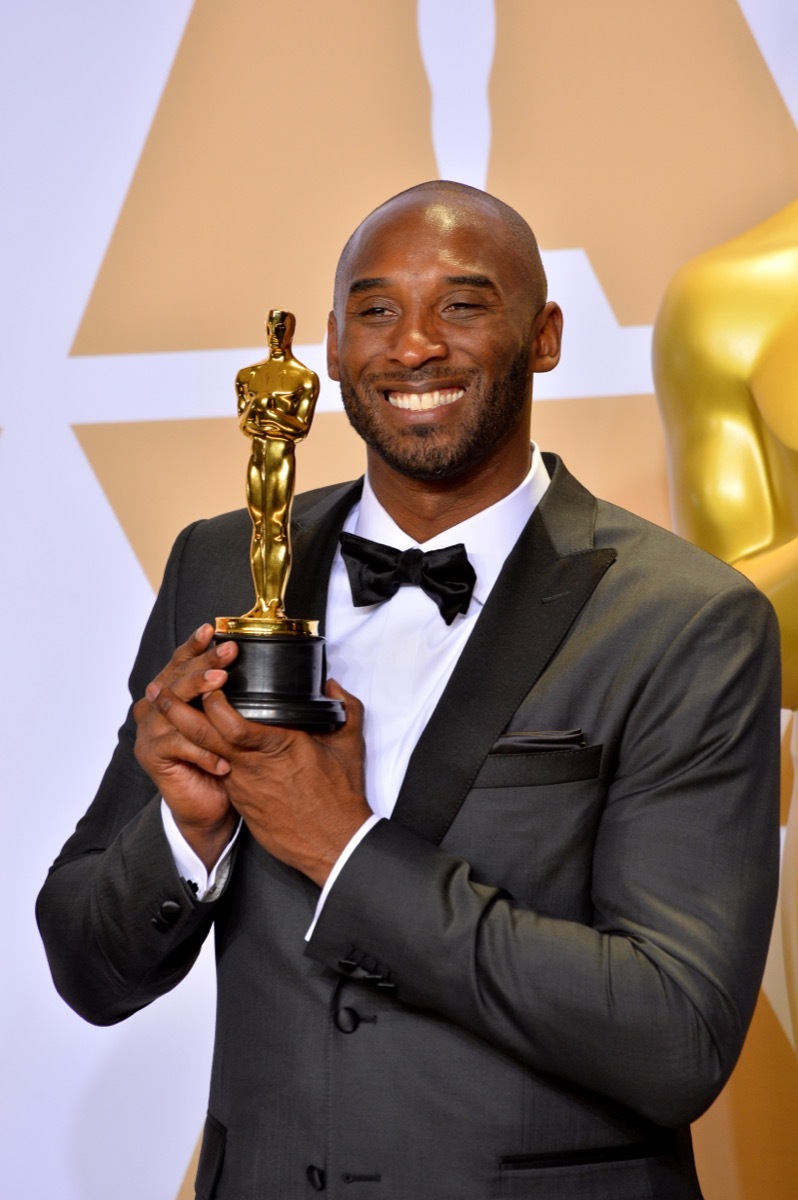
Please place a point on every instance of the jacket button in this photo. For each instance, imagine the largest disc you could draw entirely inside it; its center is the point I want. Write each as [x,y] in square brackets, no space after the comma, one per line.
[347,1020]
[316,1178]
[168,912]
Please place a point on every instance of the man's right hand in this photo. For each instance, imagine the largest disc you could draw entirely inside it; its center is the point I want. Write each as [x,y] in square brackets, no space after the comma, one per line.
[189,768]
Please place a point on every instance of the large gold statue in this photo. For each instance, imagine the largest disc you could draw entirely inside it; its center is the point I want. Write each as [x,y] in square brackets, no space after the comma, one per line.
[726,374]
[276,399]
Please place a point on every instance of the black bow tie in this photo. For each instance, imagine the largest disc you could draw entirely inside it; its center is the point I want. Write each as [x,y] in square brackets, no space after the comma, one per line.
[376,573]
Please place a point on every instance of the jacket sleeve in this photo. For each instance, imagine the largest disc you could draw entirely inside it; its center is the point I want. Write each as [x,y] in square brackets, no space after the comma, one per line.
[647,1003]
[119,925]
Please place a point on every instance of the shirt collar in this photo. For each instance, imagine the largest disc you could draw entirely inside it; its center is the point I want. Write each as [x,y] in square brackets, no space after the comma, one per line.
[488,536]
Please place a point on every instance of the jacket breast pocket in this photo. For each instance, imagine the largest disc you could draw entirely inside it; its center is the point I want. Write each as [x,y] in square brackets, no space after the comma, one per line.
[536,768]
[528,826]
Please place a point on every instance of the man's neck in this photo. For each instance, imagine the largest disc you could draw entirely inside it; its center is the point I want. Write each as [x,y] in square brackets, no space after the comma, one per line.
[424,508]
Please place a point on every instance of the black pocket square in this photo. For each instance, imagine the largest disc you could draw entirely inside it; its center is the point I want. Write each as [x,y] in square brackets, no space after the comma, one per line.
[538,739]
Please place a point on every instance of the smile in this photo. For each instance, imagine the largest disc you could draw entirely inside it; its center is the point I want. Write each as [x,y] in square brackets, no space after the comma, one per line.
[422,401]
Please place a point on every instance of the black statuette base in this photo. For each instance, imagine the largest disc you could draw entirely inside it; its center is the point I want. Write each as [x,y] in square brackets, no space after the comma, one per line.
[278,681]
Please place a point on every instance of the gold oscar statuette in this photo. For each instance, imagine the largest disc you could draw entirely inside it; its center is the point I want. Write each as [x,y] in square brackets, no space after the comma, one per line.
[277,677]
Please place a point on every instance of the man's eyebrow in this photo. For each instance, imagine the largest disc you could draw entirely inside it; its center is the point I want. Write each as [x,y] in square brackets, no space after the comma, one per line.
[366,285]
[369,283]
[479,281]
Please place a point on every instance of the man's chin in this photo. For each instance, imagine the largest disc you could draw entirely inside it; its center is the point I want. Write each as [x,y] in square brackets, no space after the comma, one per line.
[423,460]
[422,451]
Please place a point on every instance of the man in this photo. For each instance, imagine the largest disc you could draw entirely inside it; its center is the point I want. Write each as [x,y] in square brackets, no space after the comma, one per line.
[530,978]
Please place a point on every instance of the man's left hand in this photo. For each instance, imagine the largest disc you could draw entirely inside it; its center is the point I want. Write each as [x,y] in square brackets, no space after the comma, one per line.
[301,795]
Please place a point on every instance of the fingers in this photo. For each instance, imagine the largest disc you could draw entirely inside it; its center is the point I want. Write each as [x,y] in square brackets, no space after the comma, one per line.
[198,666]
[353,727]
[242,734]
[196,644]
[184,734]
[169,729]
[277,739]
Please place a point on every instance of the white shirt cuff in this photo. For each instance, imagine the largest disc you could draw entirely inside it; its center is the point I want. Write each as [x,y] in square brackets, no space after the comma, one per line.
[206,885]
[350,846]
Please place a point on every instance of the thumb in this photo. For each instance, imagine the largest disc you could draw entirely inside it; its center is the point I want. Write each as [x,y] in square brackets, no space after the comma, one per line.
[354,708]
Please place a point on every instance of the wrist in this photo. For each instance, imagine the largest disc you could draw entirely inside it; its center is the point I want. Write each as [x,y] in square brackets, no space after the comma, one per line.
[208,841]
[338,851]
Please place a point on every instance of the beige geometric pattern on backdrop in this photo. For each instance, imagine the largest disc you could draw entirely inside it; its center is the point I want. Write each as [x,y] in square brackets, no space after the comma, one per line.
[621,128]
[243,194]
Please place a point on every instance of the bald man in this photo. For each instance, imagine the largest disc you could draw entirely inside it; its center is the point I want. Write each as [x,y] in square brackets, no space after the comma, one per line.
[502,933]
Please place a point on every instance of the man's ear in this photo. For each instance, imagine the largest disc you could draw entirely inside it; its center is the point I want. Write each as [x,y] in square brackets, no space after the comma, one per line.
[547,339]
[332,347]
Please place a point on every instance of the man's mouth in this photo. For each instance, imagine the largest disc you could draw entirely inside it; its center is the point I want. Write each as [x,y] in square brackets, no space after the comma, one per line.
[423,401]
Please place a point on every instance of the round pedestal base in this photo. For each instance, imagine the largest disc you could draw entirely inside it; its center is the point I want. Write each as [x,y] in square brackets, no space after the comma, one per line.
[277,680]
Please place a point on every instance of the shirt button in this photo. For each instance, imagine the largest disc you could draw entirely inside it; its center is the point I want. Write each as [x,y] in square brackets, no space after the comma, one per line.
[316,1178]
[347,1020]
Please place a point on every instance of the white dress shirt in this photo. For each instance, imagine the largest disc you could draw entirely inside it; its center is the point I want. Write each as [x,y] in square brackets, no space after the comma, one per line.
[397,656]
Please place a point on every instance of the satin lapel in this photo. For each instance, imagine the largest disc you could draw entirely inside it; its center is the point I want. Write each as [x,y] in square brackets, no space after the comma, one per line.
[314,540]
[537,597]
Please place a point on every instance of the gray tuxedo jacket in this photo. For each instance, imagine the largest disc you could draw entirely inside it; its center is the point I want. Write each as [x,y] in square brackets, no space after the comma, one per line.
[533,977]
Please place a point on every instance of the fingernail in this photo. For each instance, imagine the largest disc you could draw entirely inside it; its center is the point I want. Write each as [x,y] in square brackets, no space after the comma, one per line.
[215,676]
[153,691]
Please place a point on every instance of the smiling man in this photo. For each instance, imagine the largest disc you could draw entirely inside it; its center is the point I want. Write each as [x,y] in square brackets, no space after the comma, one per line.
[458,303]
[502,933]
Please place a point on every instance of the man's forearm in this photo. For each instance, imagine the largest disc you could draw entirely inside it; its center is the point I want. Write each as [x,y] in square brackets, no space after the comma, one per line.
[119,926]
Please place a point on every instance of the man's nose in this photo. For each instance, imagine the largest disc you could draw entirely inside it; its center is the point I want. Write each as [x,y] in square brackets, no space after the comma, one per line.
[417,339]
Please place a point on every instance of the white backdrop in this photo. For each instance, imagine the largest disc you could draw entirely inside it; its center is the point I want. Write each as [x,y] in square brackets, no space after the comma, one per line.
[81,83]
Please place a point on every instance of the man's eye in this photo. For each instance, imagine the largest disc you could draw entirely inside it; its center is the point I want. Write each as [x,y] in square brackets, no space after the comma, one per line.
[464,308]
[375,311]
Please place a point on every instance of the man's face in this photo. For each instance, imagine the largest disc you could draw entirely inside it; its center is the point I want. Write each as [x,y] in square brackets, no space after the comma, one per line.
[434,339]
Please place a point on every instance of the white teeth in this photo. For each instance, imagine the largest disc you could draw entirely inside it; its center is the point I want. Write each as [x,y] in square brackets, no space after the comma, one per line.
[424,400]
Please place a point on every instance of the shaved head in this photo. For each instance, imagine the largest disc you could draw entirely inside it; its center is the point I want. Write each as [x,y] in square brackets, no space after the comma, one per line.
[462,200]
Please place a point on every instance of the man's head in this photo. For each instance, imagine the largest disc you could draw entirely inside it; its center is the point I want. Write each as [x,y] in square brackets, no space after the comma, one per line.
[440,320]
[440,194]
